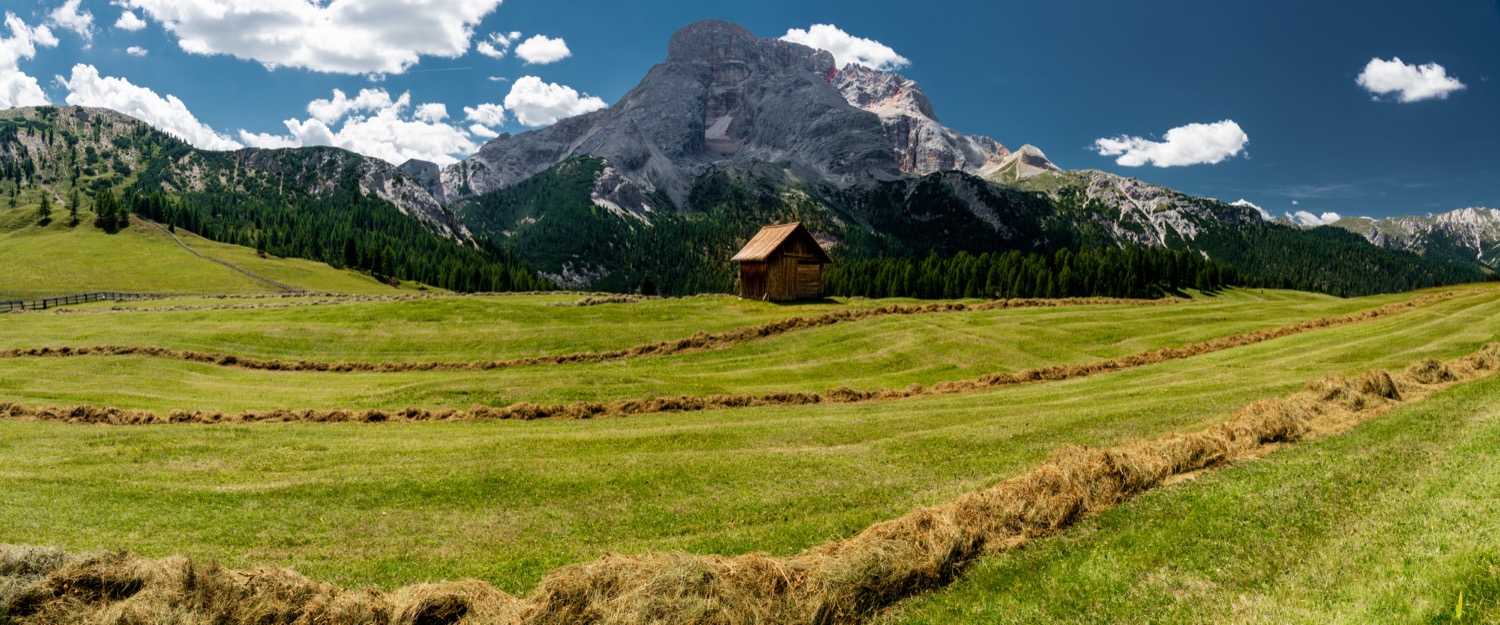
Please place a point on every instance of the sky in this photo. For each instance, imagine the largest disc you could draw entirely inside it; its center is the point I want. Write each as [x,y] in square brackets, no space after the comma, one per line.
[1309,108]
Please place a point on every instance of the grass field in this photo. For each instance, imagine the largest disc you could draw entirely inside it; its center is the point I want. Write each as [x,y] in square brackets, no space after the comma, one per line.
[890,352]
[505,502]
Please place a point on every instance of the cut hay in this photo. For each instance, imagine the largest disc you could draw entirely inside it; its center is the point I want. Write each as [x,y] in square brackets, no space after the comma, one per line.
[702,341]
[526,411]
[844,581]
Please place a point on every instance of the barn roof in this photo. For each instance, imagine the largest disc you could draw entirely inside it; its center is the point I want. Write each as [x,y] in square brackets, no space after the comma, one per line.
[770,238]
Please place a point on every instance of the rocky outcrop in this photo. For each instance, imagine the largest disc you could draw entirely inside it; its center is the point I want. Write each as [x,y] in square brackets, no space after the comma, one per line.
[1132,212]
[722,97]
[1468,234]
[922,144]
[1022,164]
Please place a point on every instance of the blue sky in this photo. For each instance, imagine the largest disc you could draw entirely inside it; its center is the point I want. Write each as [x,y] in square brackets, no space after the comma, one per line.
[1292,105]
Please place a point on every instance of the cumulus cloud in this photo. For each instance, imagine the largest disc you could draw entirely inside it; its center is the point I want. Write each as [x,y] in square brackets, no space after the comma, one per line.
[1409,83]
[137,51]
[541,50]
[336,36]
[482,132]
[17,88]
[69,17]
[1309,220]
[487,114]
[168,114]
[376,125]
[1193,144]
[536,103]
[497,45]
[847,48]
[335,108]
[1244,203]
[431,113]
[129,21]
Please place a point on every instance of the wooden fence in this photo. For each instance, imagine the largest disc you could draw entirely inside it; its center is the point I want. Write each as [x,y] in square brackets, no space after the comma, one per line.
[67,300]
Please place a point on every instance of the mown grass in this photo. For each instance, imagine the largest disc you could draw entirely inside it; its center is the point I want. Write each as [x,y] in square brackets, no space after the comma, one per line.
[56,259]
[891,352]
[1387,524]
[505,502]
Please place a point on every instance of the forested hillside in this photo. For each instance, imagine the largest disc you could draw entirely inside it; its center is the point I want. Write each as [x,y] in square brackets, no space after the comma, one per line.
[320,204]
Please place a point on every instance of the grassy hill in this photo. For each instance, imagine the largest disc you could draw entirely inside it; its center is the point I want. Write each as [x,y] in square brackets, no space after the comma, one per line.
[59,259]
[388,505]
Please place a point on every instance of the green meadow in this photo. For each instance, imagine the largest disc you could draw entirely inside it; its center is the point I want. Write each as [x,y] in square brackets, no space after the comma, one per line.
[392,504]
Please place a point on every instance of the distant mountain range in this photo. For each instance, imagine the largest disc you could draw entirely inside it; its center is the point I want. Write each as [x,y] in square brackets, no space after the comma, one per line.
[732,131]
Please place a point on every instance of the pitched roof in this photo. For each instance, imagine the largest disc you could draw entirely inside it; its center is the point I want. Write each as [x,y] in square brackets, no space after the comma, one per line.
[765,242]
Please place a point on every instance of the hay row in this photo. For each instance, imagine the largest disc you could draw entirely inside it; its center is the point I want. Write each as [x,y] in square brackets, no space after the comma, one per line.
[301,299]
[844,581]
[701,341]
[527,411]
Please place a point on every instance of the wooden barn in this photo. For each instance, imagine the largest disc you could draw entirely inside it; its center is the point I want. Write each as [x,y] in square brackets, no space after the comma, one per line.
[782,263]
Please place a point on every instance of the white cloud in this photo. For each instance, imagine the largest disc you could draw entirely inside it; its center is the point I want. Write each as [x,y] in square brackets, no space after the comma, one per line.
[130,21]
[431,113]
[536,103]
[541,50]
[69,17]
[169,114]
[498,79]
[1309,220]
[847,48]
[1414,83]
[375,125]
[17,88]
[333,109]
[1244,203]
[497,45]
[337,36]
[137,51]
[482,132]
[1193,144]
[487,114]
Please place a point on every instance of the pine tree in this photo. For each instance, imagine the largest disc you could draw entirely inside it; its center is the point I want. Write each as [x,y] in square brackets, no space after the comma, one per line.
[73,208]
[44,212]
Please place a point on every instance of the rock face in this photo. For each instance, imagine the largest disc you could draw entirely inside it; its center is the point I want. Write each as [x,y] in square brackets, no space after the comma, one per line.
[722,97]
[922,144]
[1468,234]
[1128,211]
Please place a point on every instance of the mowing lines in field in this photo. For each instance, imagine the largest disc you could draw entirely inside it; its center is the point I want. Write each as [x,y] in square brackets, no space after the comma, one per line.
[627,407]
[843,581]
[702,341]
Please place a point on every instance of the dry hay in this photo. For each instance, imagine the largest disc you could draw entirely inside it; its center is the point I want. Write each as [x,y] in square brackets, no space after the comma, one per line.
[526,411]
[842,581]
[701,341]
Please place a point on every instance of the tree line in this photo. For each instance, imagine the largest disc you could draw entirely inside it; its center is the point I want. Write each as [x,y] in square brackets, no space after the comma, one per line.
[1134,272]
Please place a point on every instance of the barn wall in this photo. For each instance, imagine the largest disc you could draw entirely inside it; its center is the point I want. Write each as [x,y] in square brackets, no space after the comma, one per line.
[781,283]
[753,280]
[809,281]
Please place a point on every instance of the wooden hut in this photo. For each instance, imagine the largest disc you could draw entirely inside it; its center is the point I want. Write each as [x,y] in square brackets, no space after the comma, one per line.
[782,263]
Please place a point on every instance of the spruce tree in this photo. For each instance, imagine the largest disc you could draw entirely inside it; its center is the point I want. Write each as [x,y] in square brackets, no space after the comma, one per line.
[44,212]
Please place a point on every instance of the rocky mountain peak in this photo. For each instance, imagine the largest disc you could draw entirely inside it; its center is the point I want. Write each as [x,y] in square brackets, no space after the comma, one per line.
[728,50]
[922,144]
[874,90]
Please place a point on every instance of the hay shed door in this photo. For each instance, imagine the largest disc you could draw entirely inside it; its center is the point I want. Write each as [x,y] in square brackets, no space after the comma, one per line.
[753,280]
[809,280]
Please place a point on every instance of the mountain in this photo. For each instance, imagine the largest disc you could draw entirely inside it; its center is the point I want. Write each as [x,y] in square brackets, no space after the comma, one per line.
[1468,234]
[111,148]
[732,131]
[323,204]
[728,133]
